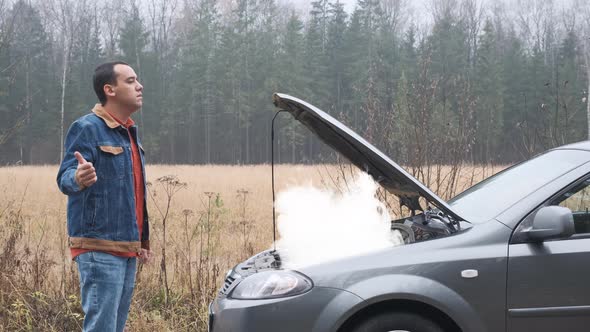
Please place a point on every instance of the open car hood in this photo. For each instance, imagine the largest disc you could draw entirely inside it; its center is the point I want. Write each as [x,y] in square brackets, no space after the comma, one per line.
[362,154]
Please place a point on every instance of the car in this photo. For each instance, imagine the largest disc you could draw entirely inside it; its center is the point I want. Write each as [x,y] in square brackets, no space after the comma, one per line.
[511,253]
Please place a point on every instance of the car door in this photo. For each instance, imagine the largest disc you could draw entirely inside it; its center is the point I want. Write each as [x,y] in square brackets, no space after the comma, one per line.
[548,285]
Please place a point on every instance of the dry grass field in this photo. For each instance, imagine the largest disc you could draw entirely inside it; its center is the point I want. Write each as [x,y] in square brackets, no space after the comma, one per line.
[217,216]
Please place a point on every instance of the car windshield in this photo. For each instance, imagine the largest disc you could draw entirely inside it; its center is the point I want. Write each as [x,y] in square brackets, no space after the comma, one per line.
[495,194]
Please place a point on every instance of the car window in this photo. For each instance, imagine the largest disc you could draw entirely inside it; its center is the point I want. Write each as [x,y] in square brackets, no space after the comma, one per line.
[577,199]
[490,197]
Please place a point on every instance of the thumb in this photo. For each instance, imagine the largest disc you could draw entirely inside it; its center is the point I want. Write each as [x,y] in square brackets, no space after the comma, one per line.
[81,159]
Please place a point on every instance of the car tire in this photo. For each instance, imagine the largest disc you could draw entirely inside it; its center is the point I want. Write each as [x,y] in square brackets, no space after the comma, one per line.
[398,321]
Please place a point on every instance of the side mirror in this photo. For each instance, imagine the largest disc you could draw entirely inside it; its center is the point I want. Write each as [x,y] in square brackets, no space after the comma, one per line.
[551,222]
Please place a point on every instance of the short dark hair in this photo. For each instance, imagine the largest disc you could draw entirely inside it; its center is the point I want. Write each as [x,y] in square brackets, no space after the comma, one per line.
[105,74]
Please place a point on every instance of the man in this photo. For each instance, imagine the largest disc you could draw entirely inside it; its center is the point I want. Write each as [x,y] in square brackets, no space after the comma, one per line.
[104,177]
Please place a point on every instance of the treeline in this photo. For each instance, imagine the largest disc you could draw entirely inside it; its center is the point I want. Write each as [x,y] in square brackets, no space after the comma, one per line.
[454,80]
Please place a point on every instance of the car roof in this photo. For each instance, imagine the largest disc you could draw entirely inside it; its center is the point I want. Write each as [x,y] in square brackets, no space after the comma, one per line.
[583,145]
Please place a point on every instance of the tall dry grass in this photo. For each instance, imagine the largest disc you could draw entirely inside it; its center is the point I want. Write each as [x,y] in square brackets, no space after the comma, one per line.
[211,217]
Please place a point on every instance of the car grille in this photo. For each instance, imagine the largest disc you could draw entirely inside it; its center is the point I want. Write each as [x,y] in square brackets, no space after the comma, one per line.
[227,284]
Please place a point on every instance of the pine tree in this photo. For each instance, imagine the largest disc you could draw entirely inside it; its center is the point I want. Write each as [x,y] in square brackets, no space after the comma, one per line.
[133,38]
[132,41]
[27,87]
[292,81]
[517,98]
[571,125]
[371,87]
[245,18]
[228,69]
[315,63]
[489,78]
[355,53]
[337,61]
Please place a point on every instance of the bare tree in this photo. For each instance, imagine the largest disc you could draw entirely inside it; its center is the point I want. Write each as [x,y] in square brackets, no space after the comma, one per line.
[443,9]
[395,13]
[536,22]
[584,12]
[6,25]
[8,22]
[111,17]
[162,16]
[65,18]
[472,12]
[587,63]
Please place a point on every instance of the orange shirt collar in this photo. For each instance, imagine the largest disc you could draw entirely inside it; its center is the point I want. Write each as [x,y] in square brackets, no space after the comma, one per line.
[110,119]
[127,124]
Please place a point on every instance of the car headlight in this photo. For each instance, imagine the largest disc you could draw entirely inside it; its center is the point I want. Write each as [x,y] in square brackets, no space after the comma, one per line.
[272,284]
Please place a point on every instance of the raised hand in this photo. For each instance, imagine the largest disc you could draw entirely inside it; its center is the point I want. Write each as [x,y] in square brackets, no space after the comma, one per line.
[85,174]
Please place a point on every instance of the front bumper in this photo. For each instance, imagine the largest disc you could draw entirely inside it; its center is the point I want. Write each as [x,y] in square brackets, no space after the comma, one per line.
[320,309]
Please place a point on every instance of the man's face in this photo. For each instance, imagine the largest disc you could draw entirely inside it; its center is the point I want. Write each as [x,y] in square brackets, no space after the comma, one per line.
[128,90]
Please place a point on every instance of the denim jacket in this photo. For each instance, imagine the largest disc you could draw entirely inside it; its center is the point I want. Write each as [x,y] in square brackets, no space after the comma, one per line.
[102,216]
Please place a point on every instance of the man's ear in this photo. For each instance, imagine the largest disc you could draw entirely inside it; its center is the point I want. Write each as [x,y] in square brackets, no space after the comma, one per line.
[109,90]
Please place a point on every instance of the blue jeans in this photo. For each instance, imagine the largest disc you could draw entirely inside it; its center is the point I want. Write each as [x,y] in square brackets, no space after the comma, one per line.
[106,287]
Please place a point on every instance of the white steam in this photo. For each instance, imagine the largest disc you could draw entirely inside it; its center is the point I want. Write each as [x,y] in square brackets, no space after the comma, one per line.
[317,225]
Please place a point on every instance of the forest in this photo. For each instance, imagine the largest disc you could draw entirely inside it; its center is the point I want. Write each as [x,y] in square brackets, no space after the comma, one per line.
[449,80]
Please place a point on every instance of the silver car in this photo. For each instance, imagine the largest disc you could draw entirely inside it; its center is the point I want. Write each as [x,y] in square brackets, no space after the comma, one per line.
[511,253]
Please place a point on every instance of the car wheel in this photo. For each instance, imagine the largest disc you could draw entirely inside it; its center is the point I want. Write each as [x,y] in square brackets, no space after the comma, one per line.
[397,322]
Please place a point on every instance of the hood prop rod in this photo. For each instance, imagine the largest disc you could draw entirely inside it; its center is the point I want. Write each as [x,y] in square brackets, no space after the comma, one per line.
[272,170]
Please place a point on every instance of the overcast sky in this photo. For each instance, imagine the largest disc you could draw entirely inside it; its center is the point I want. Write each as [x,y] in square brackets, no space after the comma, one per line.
[305,5]
[348,4]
